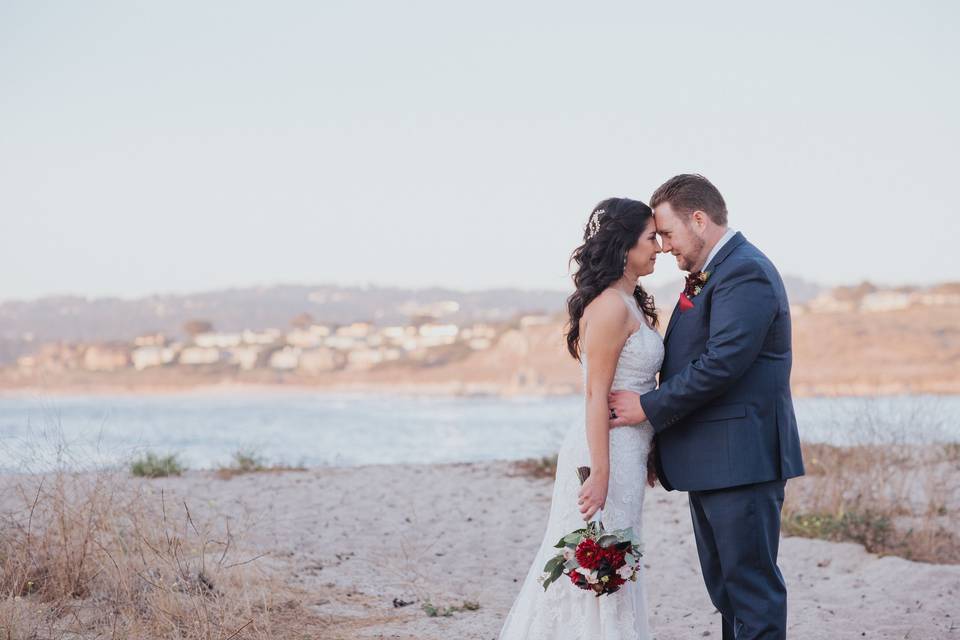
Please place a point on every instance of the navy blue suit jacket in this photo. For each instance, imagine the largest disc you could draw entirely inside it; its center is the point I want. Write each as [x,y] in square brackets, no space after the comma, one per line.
[723,412]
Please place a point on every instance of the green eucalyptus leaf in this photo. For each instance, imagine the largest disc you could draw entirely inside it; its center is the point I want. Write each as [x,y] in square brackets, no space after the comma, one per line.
[607,540]
[552,563]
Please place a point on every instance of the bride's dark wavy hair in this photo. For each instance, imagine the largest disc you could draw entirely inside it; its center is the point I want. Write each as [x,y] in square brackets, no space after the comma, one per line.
[600,260]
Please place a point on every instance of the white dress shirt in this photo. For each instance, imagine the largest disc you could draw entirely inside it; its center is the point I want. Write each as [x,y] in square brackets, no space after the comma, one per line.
[716,248]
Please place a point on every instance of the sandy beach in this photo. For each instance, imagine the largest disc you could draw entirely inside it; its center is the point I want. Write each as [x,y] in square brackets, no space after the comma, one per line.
[356,539]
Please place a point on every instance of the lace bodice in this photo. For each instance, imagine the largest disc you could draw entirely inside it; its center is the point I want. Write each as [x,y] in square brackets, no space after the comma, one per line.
[640,358]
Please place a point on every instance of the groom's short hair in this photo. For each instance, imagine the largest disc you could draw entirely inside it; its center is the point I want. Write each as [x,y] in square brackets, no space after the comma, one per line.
[691,192]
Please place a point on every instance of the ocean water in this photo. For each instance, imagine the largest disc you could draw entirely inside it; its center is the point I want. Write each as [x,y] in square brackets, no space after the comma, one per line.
[344,429]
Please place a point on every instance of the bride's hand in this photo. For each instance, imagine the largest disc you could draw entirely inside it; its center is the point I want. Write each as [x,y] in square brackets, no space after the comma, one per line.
[627,408]
[593,494]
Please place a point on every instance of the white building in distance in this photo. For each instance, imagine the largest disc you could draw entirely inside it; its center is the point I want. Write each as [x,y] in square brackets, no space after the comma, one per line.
[285,359]
[152,356]
[199,355]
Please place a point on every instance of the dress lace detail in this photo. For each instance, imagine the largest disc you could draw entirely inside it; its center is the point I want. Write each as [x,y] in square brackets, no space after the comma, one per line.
[564,612]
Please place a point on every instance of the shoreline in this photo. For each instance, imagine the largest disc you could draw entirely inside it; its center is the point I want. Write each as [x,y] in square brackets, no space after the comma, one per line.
[449,389]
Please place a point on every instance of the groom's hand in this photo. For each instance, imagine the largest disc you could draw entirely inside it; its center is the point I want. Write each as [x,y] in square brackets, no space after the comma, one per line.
[626,404]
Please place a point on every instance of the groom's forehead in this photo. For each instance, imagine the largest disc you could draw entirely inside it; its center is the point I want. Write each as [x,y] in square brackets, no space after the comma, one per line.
[664,217]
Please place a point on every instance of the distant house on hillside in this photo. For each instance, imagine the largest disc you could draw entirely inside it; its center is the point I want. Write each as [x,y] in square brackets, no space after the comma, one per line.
[154,339]
[304,338]
[479,336]
[199,355]
[855,292]
[429,309]
[841,299]
[152,356]
[886,301]
[246,356]
[321,360]
[479,330]
[218,340]
[267,336]
[397,335]
[942,295]
[54,357]
[355,330]
[433,335]
[106,357]
[285,359]
[343,343]
[827,303]
[535,320]
[367,358]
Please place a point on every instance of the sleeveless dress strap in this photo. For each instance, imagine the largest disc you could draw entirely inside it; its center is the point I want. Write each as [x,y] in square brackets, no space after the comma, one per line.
[631,303]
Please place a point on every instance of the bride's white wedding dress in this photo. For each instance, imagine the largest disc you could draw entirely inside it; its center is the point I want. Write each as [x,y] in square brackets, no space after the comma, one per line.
[564,612]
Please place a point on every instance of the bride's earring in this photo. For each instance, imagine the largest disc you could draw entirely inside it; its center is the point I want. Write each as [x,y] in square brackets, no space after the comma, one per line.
[624,269]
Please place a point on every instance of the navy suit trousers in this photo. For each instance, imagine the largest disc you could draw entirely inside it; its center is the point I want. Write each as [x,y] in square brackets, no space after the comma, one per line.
[738,535]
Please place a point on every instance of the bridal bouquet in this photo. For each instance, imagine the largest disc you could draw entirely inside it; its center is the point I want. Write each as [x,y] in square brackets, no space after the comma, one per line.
[595,559]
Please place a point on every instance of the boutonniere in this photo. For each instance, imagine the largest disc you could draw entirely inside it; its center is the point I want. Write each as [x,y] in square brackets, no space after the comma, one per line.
[692,288]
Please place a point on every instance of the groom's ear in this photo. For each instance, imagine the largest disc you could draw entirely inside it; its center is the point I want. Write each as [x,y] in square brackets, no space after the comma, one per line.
[699,219]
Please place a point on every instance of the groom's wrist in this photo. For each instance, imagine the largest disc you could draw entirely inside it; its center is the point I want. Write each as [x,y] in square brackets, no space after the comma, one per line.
[649,406]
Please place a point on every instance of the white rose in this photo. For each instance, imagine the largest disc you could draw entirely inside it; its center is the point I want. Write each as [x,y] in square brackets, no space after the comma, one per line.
[568,553]
[591,576]
[625,571]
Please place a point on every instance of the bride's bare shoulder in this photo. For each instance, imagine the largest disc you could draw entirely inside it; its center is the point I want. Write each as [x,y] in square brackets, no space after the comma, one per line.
[606,311]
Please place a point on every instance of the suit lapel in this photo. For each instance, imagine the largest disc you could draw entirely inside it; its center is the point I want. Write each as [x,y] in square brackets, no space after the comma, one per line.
[725,251]
[673,320]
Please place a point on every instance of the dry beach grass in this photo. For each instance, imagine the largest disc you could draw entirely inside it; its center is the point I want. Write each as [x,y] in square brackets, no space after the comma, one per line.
[903,502]
[92,554]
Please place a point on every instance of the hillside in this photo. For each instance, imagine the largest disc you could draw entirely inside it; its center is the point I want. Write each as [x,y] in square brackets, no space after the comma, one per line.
[845,353]
[25,323]
[852,353]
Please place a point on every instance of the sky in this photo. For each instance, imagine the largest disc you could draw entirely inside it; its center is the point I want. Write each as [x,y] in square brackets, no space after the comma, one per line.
[172,147]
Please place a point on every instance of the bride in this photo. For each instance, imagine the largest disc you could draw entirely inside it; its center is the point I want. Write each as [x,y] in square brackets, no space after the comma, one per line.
[612,334]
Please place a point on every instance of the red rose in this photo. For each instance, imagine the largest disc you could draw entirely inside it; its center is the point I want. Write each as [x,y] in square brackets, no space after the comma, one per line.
[588,554]
[578,579]
[614,557]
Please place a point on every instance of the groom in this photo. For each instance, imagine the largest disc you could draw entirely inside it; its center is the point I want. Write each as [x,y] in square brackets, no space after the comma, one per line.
[723,415]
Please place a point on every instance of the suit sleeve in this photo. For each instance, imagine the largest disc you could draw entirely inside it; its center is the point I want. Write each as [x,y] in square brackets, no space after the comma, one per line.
[743,306]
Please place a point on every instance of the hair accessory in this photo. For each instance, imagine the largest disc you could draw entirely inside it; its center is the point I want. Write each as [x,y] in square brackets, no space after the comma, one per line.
[594,224]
